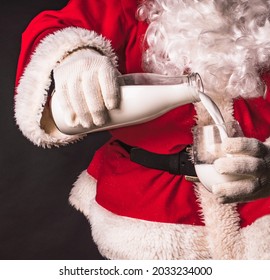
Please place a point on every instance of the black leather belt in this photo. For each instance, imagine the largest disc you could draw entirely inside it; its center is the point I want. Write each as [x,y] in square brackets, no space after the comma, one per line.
[177,164]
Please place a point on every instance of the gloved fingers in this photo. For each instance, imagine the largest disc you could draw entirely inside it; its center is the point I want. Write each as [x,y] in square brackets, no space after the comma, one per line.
[64,100]
[244,165]
[244,146]
[237,191]
[77,99]
[94,99]
[107,77]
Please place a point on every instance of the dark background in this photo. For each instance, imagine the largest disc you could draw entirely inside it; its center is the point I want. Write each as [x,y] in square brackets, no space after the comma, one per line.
[36,220]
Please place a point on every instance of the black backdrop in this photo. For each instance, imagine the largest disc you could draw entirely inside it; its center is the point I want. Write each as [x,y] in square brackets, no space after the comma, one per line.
[36,221]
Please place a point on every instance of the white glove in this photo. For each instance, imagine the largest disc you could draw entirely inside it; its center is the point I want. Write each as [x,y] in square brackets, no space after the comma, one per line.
[250,157]
[88,85]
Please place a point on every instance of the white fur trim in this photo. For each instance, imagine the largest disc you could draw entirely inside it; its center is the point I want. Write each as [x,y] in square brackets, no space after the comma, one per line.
[257,239]
[34,84]
[225,237]
[222,223]
[119,237]
[83,192]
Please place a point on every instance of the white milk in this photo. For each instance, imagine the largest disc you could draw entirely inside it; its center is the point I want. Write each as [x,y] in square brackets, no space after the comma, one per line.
[208,176]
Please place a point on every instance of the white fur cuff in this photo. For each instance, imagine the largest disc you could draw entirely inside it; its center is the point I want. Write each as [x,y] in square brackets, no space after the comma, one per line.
[34,84]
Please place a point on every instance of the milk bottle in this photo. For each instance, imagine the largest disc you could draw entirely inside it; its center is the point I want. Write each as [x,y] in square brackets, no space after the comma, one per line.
[144,96]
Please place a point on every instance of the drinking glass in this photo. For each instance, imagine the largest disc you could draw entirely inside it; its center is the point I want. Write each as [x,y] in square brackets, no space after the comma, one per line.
[207,142]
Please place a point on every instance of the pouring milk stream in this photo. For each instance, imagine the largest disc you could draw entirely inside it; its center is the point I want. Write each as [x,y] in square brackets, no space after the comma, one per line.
[145,96]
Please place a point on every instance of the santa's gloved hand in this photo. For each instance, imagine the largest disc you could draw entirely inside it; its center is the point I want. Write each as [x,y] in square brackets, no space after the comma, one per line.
[88,85]
[250,158]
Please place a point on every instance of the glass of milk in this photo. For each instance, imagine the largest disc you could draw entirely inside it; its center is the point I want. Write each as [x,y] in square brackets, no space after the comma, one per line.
[207,142]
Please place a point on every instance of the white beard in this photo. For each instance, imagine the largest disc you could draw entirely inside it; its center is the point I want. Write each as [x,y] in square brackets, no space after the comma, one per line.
[226,42]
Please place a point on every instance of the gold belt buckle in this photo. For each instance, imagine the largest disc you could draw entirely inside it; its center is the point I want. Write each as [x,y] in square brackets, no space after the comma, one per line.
[192,178]
[187,177]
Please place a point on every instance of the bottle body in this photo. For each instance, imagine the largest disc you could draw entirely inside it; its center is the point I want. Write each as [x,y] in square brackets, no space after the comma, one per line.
[138,103]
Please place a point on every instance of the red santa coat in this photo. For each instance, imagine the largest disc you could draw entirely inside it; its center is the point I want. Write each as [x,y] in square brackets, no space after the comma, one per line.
[136,212]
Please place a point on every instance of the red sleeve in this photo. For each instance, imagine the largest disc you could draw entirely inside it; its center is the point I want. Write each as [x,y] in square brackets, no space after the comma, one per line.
[253,116]
[109,26]
[112,19]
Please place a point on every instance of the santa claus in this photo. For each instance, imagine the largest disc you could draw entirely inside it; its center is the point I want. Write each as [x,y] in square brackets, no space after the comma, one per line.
[139,212]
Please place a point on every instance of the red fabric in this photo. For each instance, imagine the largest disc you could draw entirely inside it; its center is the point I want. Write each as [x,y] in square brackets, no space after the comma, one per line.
[92,15]
[129,189]
[126,188]
[166,134]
